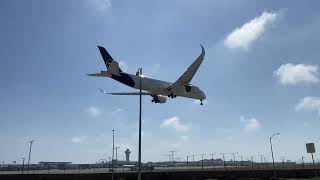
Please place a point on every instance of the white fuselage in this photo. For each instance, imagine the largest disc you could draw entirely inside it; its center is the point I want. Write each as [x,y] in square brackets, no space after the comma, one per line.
[159,87]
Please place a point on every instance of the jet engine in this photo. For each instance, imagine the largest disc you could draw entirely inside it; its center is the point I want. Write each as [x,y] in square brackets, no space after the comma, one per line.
[159,99]
[191,89]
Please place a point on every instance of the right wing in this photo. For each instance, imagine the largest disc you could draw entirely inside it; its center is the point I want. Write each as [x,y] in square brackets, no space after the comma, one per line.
[191,71]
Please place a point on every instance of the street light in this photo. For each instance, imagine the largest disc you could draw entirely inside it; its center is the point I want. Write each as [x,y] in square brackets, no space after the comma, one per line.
[274,167]
[252,161]
[31,142]
[202,161]
[2,166]
[172,151]
[112,154]
[139,72]
[302,159]
[234,158]
[22,165]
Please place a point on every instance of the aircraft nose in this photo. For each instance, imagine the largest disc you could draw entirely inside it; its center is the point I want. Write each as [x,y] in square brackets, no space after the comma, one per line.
[203,95]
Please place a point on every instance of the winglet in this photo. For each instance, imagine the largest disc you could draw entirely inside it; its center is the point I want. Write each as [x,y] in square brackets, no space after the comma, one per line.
[203,52]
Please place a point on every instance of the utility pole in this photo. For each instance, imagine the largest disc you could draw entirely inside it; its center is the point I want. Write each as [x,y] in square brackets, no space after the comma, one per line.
[302,159]
[212,161]
[31,142]
[187,162]
[202,161]
[2,166]
[172,151]
[234,158]
[22,165]
[112,154]
[252,161]
[273,165]
[266,161]
[140,116]
[283,163]
[224,160]
[192,159]
[261,156]
[241,157]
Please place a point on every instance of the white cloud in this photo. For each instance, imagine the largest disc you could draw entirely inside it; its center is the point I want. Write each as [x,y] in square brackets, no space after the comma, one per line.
[244,36]
[94,111]
[102,5]
[78,139]
[308,104]
[174,122]
[184,138]
[251,124]
[229,138]
[292,74]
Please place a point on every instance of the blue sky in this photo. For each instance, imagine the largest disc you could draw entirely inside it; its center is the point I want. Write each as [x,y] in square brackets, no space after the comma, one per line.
[260,74]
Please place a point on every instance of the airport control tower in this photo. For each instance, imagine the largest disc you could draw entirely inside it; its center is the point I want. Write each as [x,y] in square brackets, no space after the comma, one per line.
[127,155]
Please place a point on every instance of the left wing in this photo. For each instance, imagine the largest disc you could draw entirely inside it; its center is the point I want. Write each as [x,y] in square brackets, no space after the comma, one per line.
[191,71]
[131,93]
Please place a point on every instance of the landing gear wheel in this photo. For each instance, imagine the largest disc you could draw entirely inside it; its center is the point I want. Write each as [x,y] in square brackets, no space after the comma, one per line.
[201,103]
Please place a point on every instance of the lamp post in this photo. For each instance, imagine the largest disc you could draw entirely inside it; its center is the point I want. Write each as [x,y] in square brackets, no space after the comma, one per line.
[224,160]
[22,165]
[234,158]
[252,161]
[261,157]
[172,151]
[241,157]
[273,165]
[212,161]
[112,154]
[31,142]
[140,112]
[302,159]
[109,163]
[193,160]
[202,161]
[187,162]
[2,166]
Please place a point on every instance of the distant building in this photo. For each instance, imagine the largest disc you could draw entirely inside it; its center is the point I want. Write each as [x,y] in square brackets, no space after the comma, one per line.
[58,165]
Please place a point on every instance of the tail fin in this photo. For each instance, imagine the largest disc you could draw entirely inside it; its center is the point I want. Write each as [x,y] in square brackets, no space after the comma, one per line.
[108,60]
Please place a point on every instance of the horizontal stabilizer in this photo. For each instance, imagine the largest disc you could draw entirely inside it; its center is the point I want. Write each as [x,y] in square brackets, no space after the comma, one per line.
[103,74]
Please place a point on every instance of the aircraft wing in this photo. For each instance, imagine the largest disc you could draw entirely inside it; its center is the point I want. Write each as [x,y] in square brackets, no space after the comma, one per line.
[132,93]
[191,71]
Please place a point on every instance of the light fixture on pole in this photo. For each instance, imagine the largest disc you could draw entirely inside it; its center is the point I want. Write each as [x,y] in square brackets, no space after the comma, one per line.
[273,165]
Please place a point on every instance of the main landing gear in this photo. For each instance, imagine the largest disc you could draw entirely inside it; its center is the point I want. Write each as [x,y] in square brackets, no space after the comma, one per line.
[201,103]
[172,96]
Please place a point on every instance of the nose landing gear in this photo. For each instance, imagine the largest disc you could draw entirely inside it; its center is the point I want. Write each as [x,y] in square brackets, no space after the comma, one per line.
[172,96]
[201,103]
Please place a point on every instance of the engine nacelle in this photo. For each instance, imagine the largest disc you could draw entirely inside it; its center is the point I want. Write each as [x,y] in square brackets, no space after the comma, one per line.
[159,99]
[191,89]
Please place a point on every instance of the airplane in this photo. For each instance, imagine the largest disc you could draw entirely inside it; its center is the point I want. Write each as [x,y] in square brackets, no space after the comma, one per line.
[157,89]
